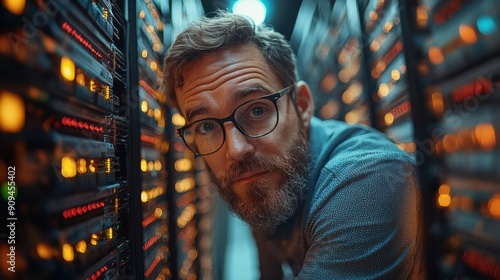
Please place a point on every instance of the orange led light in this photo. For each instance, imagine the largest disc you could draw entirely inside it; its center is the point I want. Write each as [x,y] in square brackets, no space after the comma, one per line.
[16,7]
[178,119]
[494,206]
[68,167]
[437,103]
[436,55]
[81,246]
[43,251]
[467,34]
[395,75]
[485,136]
[68,69]
[68,253]
[352,117]
[383,90]
[329,110]
[422,16]
[12,112]
[389,119]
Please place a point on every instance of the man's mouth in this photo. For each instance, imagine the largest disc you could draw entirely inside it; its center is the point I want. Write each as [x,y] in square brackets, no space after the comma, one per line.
[249,176]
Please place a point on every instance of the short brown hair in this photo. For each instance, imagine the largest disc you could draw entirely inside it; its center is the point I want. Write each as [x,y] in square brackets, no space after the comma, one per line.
[225,30]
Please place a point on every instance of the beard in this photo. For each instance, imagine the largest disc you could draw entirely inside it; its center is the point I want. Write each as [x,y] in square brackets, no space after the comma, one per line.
[265,204]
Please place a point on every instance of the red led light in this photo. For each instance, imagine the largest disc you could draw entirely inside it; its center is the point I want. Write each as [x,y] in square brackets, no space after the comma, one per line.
[401,109]
[66,27]
[81,210]
[151,241]
[178,146]
[150,269]
[149,220]
[82,125]
[149,89]
[476,88]
[482,262]
[396,49]
[98,273]
[447,11]
[185,199]
[148,139]
[439,18]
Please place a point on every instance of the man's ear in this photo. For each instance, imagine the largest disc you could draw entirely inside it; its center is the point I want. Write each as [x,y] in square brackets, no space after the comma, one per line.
[305,102]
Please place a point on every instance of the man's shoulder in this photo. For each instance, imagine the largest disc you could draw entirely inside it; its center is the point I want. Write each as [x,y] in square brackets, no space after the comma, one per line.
[356,161]
[335,144]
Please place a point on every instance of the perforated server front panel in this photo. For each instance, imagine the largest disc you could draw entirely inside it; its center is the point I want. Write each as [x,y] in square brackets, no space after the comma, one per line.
[95,184]
[62,80]
[431,76]
[153,141]
[460,73]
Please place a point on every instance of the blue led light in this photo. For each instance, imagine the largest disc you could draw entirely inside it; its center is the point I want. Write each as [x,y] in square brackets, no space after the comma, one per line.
[255,9]
[486,25]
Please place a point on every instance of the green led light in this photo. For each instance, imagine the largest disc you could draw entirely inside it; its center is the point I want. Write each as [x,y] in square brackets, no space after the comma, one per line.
[4,191]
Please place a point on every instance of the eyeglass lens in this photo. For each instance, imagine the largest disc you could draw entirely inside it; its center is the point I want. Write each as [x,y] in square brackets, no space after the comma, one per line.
[254,119]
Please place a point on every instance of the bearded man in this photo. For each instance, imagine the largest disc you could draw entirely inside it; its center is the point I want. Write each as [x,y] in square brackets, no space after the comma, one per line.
[335,201]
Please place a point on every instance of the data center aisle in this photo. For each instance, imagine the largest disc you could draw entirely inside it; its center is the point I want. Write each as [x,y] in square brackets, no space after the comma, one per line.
[241,256]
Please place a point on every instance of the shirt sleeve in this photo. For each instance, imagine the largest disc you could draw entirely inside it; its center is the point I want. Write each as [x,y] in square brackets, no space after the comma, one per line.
[363,221]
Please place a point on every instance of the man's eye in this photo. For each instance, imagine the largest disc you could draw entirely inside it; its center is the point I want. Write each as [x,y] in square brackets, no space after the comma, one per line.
[205,127]
[257,111]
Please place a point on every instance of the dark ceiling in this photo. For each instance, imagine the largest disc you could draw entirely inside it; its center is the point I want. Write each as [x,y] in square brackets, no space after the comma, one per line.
[281,14]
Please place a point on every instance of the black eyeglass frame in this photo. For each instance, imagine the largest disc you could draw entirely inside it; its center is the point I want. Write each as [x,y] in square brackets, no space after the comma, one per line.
[273,97]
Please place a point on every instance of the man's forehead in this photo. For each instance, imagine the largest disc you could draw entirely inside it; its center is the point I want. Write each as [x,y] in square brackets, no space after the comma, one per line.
[230,98]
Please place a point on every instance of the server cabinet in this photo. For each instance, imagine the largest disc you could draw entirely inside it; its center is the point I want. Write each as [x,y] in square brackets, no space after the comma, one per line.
[95,185]
[63,79]
[458,63]
[431,84]
[329,48]
[149,114]
[387,68]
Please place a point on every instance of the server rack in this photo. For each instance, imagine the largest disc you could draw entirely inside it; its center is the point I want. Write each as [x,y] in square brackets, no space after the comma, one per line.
[63,78]
[331,60]
[458,69]
[431,84]
[91,167]
[146,50]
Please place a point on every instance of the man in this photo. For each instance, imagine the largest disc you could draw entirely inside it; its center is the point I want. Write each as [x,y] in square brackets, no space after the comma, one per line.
[334,201]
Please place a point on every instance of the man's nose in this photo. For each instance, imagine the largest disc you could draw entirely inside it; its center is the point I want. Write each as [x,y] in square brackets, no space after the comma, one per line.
[237,145]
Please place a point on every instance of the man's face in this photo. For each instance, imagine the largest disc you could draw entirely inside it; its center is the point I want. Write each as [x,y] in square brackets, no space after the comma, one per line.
[262,179]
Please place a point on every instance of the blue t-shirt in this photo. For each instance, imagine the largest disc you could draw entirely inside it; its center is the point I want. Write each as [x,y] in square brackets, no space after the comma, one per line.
[361,218]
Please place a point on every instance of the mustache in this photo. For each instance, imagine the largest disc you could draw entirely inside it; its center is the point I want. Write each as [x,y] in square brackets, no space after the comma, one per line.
[255,163]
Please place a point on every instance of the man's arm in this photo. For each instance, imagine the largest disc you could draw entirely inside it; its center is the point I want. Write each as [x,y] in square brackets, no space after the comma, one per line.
[364,221]
[269,264]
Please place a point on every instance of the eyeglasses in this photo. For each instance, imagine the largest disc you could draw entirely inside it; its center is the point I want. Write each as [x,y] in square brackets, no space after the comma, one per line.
[254,118]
